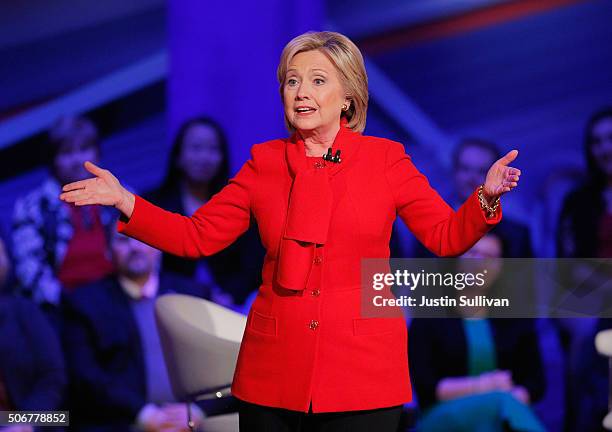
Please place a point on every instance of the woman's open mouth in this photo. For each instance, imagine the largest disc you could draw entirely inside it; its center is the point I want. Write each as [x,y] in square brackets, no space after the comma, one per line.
[304,111]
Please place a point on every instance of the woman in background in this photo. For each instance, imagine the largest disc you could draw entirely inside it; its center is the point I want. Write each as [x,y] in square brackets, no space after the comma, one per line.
[197,169]
[585,224]
[585,231]
[475,373]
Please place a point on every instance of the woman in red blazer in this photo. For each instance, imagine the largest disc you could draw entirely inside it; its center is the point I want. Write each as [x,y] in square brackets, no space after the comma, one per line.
[306,351]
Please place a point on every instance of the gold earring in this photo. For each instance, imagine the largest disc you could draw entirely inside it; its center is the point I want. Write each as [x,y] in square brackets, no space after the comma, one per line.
[344,107]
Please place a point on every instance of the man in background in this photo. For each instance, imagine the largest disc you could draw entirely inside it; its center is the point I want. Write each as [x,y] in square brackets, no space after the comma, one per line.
[471,160]
[118,376]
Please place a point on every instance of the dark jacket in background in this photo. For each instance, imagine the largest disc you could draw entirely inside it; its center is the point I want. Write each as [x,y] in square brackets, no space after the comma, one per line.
[592,405]
[579,219]
[31,359]
[516,238]
[104,352]
[437,349]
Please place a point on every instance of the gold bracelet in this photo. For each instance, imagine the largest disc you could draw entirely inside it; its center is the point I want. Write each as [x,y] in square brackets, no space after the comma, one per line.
[490,209]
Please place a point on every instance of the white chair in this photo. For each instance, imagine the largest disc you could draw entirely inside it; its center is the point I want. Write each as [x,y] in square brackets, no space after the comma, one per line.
[200,341]
[603,343]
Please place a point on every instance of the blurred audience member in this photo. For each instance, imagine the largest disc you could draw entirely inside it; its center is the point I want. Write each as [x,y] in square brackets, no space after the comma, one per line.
[6,272]
[592,403]
[118,373]
[470,160]
[58,246]
[197,169]
[585,225]
[32,375]
[475,373]
[585,231]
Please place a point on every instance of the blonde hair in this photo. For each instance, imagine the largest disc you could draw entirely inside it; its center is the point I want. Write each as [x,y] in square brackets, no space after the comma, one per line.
[348,61]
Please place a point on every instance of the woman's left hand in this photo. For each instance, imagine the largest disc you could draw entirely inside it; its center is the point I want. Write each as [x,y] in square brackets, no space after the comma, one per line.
[501,178]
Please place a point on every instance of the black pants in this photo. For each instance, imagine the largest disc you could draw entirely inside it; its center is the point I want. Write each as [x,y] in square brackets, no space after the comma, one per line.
[258,418]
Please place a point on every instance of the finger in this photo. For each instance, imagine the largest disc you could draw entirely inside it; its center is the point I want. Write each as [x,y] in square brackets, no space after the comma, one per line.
[509,157]
[170,422]
[94,169]
[173,408]
[508,174]
[177,421]
[73,196]
[173,413]
[514,171]
[177,415]
[76,185]
[499,190]
[174,416]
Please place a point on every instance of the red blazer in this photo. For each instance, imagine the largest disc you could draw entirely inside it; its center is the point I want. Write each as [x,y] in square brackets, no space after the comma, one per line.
[312,345]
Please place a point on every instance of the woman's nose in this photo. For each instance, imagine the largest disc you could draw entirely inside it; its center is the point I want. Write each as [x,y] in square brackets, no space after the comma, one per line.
[302,93]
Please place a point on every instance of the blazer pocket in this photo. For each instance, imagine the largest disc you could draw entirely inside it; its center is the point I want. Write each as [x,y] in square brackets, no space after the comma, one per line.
[263,323]
[374,326]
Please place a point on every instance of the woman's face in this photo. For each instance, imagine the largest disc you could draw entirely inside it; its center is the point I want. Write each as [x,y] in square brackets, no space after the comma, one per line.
[201,155]
[601,145]
[71,156]
[313,94]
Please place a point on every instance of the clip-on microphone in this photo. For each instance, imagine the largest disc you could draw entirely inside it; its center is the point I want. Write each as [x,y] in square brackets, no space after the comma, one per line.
[328,157]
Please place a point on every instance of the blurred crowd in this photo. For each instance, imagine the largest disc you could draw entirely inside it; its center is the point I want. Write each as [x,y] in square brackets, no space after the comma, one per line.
[77,327]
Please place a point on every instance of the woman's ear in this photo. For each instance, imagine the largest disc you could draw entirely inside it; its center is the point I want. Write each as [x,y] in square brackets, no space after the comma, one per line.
[347,103]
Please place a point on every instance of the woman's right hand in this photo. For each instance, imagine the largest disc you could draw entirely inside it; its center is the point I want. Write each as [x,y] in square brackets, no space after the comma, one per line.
[103,189]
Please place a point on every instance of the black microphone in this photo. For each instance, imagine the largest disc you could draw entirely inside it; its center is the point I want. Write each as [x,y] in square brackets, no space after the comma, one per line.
[328,157]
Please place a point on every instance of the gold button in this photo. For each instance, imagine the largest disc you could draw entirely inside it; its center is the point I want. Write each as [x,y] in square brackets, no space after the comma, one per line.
[315,292]
[318,260]
[313,324]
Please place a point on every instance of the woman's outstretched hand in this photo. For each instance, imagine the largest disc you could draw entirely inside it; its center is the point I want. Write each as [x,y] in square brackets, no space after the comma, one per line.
[501,178]
[103,189]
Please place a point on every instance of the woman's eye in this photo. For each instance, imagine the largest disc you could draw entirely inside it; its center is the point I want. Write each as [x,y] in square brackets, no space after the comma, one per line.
[291,81]
[318,81]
